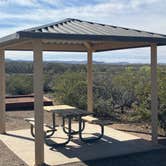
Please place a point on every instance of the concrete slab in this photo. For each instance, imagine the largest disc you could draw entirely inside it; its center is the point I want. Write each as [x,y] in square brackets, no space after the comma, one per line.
[114,143]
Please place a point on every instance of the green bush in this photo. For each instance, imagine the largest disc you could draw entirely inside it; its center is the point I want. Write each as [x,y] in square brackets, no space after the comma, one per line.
[118,89]
[19,84]
[71,88]
[141,113]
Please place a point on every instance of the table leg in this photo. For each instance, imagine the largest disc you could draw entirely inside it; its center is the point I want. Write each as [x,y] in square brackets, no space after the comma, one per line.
[53,144]
[53,120]
[73,132]
[52,130]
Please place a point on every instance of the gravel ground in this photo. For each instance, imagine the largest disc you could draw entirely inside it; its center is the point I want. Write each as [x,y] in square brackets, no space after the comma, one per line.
[15,121]
[8,158]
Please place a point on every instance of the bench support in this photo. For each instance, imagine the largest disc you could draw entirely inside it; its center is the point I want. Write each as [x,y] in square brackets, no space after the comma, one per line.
[49,130]
[90,139]
[48,133]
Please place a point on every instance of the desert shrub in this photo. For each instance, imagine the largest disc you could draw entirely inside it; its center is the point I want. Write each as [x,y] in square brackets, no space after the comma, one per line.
[140,113]
[19,84]
[71,88]
[117,88]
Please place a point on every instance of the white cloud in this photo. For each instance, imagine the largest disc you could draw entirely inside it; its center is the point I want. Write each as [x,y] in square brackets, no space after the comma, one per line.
[18,2]
[112,12]
[146,15]
[42,15]
[138,3]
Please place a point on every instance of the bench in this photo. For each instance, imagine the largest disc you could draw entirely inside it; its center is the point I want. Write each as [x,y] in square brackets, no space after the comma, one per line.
[93,120]
[47,129]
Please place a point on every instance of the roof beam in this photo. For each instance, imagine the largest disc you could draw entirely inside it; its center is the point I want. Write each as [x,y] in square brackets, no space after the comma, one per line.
[15,43]
[49,47]
[118,45]
[96,47]
[89,46]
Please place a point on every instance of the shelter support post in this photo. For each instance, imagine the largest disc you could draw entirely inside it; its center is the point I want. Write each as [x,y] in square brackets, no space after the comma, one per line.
[38,104]
[154,101]
[90,80]
[2,92]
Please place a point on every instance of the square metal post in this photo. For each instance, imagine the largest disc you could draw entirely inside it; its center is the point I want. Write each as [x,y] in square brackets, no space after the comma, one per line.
[2,92]
[90,81]
[38,103]
[154,101]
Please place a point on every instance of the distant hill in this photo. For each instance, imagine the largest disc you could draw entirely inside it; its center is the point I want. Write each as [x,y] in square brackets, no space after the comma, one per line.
[8,60]
[77,62]
[84,62]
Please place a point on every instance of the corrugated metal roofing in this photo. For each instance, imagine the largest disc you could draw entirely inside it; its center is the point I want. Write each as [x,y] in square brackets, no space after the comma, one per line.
[76,32]
[75,26]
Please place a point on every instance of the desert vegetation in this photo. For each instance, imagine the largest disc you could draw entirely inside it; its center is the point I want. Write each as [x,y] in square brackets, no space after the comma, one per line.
[121,92]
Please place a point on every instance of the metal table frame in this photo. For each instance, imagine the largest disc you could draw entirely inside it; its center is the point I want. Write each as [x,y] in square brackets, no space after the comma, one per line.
[90,139]
[69,115]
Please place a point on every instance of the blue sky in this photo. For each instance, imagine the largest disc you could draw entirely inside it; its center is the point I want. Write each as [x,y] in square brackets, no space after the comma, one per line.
[146,15]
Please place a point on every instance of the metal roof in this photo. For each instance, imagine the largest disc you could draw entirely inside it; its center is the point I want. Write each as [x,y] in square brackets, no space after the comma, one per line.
[75,26]
[74,31]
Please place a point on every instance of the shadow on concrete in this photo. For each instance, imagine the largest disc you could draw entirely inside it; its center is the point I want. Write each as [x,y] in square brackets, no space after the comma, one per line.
[151,158]
[19,136]
[97,152]
[103,148]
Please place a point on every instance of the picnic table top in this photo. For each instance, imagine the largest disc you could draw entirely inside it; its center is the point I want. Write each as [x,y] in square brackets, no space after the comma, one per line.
[58,107]
[66,110]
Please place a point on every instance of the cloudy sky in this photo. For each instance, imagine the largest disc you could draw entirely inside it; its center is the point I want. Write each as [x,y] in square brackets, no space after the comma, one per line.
[146,15]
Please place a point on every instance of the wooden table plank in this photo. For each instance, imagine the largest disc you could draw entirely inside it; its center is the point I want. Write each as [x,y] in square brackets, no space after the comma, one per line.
[58,107]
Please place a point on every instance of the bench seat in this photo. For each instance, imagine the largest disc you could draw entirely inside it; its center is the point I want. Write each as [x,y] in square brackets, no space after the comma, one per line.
[94,120]
[48,132]
[31,121]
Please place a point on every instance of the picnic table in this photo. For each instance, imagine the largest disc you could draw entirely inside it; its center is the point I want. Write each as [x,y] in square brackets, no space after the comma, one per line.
[67,113]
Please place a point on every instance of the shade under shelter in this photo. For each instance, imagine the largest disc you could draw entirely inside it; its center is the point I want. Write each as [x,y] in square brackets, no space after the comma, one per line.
[76,36]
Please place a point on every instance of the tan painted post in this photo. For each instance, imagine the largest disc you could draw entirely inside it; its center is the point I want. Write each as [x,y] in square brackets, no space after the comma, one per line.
[2,92]
[154,102]
[90,80]
[38,105]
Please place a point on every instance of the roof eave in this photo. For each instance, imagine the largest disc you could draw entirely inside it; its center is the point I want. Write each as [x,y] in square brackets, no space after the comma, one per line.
[23,35]
[84,37]
[123,48]
[9,39]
